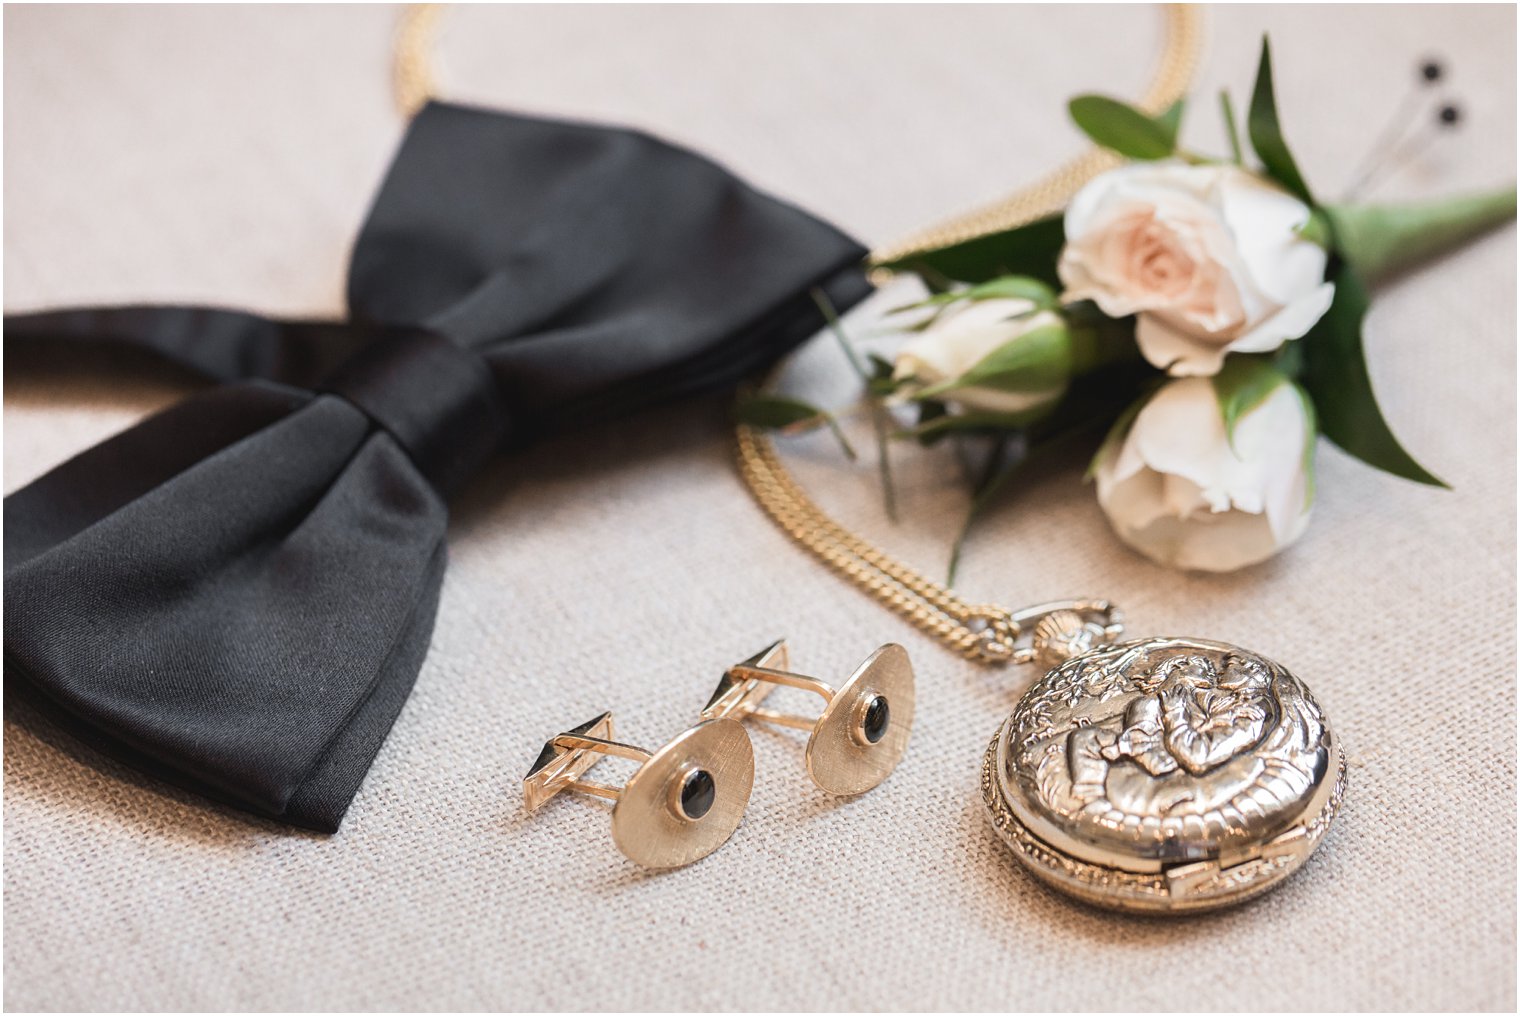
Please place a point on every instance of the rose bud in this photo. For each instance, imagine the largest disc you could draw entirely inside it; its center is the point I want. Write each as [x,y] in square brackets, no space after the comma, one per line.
[1181,490]
[998,355]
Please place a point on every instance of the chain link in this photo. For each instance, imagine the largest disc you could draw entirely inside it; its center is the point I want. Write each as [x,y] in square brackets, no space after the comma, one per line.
[986,633]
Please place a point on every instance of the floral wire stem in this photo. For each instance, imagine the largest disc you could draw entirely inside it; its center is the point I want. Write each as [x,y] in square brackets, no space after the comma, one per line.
[1446,118]
[996,470]
[1393,144]
[881,418]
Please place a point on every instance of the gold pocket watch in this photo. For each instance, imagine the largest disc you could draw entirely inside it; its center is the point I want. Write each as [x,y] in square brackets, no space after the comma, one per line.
[1160,774]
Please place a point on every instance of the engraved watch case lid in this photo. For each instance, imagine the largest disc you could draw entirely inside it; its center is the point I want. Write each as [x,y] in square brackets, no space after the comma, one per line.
[1164,774]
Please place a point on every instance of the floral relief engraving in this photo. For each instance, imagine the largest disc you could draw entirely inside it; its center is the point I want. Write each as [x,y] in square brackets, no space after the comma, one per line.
[1192,764]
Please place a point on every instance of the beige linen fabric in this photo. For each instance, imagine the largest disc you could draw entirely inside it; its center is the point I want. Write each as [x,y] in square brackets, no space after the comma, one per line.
[227,155]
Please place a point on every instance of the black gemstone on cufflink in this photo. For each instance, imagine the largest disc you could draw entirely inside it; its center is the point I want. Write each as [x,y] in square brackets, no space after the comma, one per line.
[698,791]
[878,716]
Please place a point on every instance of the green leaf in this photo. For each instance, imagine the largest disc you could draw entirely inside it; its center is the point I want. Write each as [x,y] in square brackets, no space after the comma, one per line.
[1231,130]
[881,384]
[777,412]
[1029,250]
[917,327]
[1382,240]
[1039,360]
[1242,384]
[1335,375]
[1123,128]
[1099,341]
[929,410]
[1289,359]
[1266,133]
[1004,287]
[1317,229]
[938,425]
[1171,119]
[788,416]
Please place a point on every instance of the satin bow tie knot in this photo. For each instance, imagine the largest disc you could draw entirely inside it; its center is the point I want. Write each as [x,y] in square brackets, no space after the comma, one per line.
[437,399]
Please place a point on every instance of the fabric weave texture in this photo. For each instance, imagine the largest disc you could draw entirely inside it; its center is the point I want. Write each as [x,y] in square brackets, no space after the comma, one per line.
[632,567]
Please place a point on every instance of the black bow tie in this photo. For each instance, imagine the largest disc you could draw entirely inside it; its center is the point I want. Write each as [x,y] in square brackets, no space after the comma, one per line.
[236,593]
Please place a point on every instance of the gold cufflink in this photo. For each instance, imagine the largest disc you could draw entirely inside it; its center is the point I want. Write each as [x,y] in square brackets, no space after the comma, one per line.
[680,805]
[863,731]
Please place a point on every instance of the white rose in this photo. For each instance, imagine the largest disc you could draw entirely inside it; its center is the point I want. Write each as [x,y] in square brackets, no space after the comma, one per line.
[1179,491]
[1209,257]
[1033,347]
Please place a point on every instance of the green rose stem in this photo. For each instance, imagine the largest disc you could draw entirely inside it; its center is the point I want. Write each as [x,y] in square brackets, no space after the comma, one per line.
[881,419]
[1382,240]
[1099,342]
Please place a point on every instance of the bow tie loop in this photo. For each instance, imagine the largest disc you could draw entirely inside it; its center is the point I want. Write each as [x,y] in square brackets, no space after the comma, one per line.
[437,399]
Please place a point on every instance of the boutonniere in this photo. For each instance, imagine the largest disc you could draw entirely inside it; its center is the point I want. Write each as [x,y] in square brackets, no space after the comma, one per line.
[1197,317]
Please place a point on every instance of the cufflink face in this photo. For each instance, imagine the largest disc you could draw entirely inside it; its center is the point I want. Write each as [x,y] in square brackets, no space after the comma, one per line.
[862,733]
[687,800]
[864,729]
[682,803]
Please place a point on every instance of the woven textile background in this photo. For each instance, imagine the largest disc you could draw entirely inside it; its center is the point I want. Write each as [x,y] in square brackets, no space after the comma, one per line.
[227,155]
